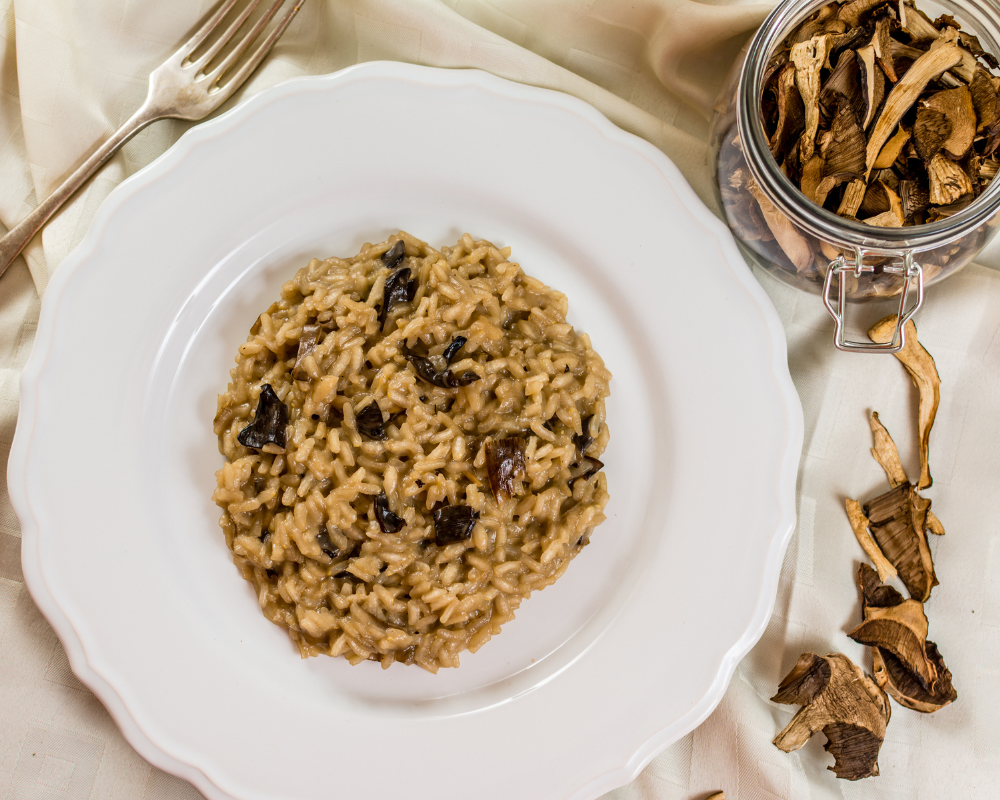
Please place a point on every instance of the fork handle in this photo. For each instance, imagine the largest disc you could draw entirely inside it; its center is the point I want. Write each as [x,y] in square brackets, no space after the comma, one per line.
[14,242]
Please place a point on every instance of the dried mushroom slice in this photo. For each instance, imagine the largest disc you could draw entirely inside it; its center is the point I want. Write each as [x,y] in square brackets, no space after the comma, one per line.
[984,99]
[923,372]
[892,149]
[901,630]
[886,453]
[931,130]
[892,672]
[859,524]
[793,243]
[934,524]
[838,699]
[897,521]
[845,146]
[843,82]
[957,108]
[872,83]
[948,181]
[905,93]
[916,24]
[883,47]
[791,115]
[808,58]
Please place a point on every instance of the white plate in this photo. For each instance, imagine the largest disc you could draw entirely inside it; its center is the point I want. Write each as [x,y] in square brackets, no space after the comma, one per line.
[112,466]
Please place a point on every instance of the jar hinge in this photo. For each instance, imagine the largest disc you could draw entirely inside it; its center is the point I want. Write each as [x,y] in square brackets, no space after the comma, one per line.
[909,270]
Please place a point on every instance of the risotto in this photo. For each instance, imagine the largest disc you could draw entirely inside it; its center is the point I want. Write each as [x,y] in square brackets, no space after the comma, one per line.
[411,439]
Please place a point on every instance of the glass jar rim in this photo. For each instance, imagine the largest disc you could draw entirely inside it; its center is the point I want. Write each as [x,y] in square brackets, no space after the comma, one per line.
[790,200]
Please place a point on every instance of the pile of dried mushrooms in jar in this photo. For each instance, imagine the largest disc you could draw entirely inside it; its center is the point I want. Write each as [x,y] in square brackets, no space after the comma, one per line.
[837,697]
[878,114]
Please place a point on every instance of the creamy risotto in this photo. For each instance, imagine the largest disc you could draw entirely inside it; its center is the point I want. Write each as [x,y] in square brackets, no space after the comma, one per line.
[412,440]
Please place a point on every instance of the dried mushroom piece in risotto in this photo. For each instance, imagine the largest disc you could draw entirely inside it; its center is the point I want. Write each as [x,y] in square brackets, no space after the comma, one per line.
[437,459]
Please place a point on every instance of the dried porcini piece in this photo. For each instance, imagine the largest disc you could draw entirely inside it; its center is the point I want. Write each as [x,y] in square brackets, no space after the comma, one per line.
[504,465]
[903,687]
[844,151]
[791,118]
[388,521]
[399,289]
[268,426]
[956,106]
[838,699]
[923,372]
[808,58]
[887,610]
[307,343]
[898,522]
[453,524]
[859,524]
[369,421]
[794,244]
[900,629]
[886,453]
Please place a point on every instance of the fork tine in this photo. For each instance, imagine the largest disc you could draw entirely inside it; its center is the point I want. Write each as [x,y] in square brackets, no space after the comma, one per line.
[262,50]
[224,39]
[230,60]
[210,25]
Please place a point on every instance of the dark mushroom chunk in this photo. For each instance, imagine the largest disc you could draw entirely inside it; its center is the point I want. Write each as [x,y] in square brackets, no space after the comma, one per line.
[445,378]
[394,254]
[369,421]
[505,464]
[259,483]
[511,319]
[585,468]
[328,547]
[585,440]
[398,289]
[307,343]
[268,426]
[264,535]
[388,522]
[452,349]
[453,524]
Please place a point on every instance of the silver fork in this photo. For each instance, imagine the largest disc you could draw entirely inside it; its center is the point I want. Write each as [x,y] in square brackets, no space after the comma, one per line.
[182,88]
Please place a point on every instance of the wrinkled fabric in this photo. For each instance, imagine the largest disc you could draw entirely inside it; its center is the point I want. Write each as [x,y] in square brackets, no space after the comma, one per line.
[71,72]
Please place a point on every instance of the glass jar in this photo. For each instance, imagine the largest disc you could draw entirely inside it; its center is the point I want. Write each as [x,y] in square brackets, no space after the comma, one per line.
[778,228]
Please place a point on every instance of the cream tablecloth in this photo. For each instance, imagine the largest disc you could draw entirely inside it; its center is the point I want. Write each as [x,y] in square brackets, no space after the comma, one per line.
[71,71]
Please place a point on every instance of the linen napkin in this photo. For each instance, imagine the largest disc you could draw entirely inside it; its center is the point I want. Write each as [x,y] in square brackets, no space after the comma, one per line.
[70,73]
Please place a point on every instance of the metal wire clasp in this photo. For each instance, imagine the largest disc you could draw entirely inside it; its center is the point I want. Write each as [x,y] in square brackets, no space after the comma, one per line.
[909,270]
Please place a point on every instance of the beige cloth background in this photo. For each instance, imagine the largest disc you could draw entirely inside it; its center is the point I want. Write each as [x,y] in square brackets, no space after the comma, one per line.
[71,71]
